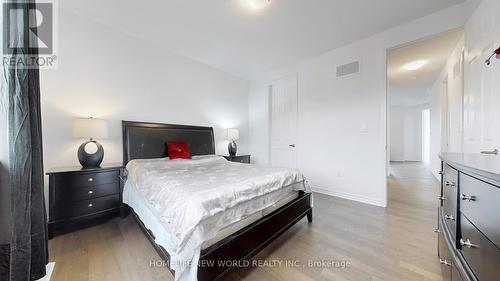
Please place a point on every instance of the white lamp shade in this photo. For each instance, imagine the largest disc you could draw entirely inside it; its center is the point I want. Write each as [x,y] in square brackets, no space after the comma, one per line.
[233,134]
[90,128]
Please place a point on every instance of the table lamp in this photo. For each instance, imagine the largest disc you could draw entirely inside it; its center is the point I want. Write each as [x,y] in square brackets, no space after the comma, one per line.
[232,135]
[90,153]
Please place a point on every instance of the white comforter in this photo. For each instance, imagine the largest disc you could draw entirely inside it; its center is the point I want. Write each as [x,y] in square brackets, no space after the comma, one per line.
[183,193]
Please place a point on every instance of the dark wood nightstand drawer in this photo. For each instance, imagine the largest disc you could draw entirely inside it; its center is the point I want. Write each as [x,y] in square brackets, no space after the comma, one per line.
[79,193]
[480,202]
[88,179]
[96,205]
[480,254]
[87,207]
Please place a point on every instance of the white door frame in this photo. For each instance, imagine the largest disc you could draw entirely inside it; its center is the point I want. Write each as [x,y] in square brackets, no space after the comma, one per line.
[270,119]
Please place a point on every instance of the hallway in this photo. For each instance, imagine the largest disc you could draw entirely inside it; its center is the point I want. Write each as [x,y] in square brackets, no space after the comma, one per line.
[412,184]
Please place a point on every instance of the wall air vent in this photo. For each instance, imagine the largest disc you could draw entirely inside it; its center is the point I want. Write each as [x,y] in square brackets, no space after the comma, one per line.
[348,69]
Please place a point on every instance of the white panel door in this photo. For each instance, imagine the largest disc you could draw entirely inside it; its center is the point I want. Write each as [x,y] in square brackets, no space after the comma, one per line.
[481,103]
[283,127]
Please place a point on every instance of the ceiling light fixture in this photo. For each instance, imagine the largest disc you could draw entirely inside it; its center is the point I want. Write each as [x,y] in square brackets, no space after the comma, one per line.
[414,65]
[254,4]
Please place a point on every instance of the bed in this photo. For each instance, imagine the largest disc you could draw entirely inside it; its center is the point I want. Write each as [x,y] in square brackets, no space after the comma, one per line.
[205,215]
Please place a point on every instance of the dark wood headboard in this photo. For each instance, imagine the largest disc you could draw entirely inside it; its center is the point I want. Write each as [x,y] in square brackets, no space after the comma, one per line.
[142,140]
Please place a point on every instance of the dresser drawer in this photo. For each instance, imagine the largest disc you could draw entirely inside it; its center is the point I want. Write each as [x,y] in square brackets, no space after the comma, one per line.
[480,202]
[450,174]
[87,179]
[455,275]
[482,256]
[78,193]
[96,205]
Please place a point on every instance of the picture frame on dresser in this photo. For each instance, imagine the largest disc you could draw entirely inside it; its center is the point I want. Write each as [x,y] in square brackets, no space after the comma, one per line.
[80,198]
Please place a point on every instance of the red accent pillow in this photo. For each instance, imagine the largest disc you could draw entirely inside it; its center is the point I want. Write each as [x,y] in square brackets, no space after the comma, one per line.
[178,150]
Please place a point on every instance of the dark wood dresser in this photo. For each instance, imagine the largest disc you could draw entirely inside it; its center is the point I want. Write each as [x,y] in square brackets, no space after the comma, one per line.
[80,198]
[469,217]
[238,158]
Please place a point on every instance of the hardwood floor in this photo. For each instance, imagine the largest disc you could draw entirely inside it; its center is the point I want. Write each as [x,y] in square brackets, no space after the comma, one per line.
[396,243]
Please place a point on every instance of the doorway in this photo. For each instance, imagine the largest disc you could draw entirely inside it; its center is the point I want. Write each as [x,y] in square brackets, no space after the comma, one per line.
[418,106]
[423,90]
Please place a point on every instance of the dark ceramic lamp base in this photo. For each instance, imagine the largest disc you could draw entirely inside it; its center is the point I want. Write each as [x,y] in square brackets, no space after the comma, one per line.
[90,160]
[232,147]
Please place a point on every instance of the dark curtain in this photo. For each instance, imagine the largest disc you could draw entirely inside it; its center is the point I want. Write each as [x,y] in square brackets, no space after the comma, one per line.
[28,245]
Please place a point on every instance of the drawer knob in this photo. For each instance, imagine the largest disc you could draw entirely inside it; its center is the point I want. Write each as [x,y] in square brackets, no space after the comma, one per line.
[449,183]
[437,230]
[467,197]
[91,179]
[467,243]
[441,198]
[444,262]
[449,217]
[90,192]
[441,172]
[90,205]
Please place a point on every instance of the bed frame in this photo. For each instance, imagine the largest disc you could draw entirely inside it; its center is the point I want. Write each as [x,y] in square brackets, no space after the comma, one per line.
[143,140]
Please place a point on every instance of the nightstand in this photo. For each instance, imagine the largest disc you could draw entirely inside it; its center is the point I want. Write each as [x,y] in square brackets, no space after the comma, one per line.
[238,158]
[79,198]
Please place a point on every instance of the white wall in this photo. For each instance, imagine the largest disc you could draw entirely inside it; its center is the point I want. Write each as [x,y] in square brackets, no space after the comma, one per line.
[333,152]
[406,132]
[107,74]
[397,133]
[482,86]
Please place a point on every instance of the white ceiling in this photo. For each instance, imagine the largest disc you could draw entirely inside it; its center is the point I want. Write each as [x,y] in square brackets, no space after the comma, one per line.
[408,87]
[225,35]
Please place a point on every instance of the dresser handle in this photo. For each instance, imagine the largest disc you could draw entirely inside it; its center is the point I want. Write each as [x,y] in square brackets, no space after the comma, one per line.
[441,172]
[467,197]
[467,243]
[449,183]
[441,198]
[91,179]
[90,192]
[449,217]
[437,230]
[91,205]
[445,262]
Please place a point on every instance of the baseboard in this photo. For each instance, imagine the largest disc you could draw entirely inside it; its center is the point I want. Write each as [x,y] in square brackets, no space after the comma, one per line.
[350,196]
